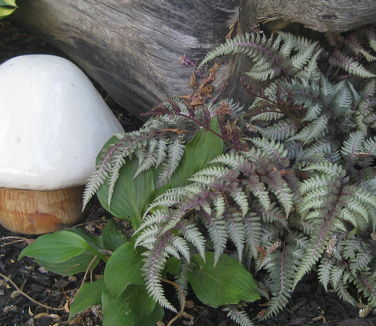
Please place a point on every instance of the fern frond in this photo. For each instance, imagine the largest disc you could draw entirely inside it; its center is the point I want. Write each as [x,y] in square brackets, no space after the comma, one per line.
[279,131]
[315,130]
[325,268]
[365,283]
[238,316]
[353,67]
[153,267]
[236,233]
[232,159]
[353,145]
[343,98]
[182,247]
[336,274]
[281,271]
[255,46]
[175,152]
[325,167]
[311,70]
[301,58]
[369,147]
[344,294]
[271,148]
[94,182]
[253,231]
[218,235]
[195,237]
[241,200]
[329,208]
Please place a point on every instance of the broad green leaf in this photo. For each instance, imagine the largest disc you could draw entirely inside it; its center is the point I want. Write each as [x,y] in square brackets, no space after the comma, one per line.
[202,148]
[72,266]
[56,247]
[123,269]
[131,195]
[173,266]
[133,307]
[7,7]
[226,283]
[112,238]
[92,240]
[9,3]
[89,294]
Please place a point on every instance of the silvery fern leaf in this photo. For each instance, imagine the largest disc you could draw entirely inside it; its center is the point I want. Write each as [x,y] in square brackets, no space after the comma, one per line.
[311,70]
[218,235]
[326,88]
[325,268]
[220,206]
[253,230]
[154,264]
[102,172]
[350,65]
[233,160]
[266,116]
[316,182]
[300,59]
[271,148]
[344,294]
[352,146]
[236,234]
[241,200]
[343,99]
[313,131]
[182,247]
[369,147]
[95,181]
[279,131]
[195,237]
[175,154]
[313,113]
[281,270]
[238,316]
[325,167]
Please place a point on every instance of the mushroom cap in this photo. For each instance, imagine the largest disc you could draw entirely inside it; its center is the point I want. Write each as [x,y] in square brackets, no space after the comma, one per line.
[53,123]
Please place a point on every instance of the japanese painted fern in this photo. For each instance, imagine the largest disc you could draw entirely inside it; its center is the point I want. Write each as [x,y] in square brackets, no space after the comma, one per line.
[295,189]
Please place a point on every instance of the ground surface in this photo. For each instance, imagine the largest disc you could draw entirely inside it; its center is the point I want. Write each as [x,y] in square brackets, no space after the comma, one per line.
[310,304]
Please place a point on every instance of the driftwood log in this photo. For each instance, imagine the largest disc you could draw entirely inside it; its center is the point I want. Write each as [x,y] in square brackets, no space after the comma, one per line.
[133,48]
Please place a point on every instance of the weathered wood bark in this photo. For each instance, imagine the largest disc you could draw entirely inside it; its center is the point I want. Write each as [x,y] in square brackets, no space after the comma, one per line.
[132,47]
[319,15]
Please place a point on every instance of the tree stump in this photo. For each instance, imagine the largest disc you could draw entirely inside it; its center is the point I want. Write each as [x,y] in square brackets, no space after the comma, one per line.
[135,48]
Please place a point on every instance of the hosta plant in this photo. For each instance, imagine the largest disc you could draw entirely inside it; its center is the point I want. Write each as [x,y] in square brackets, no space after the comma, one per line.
[215,191]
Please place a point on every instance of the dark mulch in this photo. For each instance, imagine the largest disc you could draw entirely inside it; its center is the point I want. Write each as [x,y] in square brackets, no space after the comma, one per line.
[310,305]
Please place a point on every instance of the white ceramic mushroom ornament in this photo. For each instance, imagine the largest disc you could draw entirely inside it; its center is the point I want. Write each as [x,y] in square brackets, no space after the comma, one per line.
[53,123]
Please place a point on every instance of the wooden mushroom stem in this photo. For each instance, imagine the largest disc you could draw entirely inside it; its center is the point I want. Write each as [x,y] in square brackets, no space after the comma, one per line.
[36,212]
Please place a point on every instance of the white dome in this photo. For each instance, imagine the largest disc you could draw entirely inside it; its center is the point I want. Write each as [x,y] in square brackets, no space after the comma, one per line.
[53,123]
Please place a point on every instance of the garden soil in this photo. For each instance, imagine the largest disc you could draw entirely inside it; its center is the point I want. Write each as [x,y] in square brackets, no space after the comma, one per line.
[30,295]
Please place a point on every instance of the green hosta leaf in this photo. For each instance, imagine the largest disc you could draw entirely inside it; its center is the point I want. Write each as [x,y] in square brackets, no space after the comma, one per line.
[72,266]
[202,148]
[89,294]
[9,3]
[131,195]
[133,307]
[7,7]
[56,247]
[173,266]
[226,283]
[112,238]
[92,240]
[123,269]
